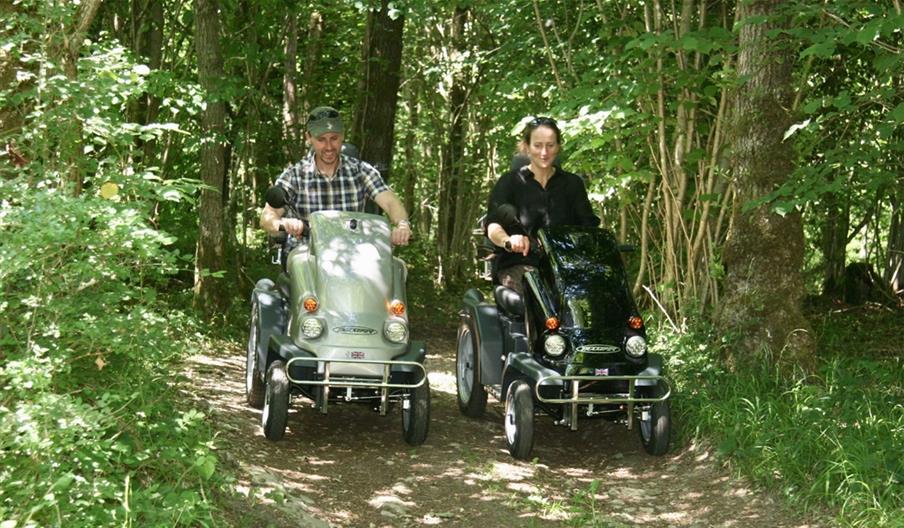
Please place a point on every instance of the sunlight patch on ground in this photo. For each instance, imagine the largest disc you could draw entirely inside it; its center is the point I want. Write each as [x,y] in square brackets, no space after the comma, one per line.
[392,502]
[623,473]
[443,382]
[512,472]
[524,487]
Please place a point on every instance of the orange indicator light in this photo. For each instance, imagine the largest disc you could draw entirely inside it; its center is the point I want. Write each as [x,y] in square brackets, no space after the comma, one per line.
[310,304]
[397,307]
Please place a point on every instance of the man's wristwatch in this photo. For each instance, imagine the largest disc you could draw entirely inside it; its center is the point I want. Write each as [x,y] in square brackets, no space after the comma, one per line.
[404,223]
[507,244]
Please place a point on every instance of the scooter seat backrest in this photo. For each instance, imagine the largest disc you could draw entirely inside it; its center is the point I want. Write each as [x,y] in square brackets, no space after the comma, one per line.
[509,301]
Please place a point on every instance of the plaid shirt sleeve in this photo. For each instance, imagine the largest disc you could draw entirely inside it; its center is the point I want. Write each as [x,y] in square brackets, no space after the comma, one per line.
[371,180]
[291,183]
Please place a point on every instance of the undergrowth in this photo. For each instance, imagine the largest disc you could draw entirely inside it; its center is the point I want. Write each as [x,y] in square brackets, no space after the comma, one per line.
[834,441]
[92,429]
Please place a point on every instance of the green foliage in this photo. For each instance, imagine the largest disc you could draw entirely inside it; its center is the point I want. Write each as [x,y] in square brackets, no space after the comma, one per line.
[589,511]
[91,429]
[88,435]
[834,440]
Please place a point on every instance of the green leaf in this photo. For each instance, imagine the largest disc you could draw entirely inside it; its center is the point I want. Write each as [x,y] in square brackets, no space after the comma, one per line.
[206,465]
[869,32]
[728,445]
[842,101]
[812,106]
[898,113]
[822,50]
[63,483]
[690,43]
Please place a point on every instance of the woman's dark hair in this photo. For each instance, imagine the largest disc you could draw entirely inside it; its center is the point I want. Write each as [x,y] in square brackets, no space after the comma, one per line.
[537,122]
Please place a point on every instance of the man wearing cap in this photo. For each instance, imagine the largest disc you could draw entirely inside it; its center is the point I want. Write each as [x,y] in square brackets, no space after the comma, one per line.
[326,179]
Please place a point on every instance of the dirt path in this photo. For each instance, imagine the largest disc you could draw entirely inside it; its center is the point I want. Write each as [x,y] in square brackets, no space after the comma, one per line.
[352,468]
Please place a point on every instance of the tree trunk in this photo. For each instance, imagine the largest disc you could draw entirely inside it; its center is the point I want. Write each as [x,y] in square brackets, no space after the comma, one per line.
[291,123]
[764,251]
[211,293]
[451,167]
[374,123]
[313,40]
[834,243]
[893,274]
[10,115]
[72,46]
[146,20]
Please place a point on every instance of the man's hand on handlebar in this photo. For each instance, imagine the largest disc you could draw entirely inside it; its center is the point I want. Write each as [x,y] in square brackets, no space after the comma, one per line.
[293,226]
[400,235]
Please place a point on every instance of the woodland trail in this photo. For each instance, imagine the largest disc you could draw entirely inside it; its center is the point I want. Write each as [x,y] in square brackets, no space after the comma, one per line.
[352,468]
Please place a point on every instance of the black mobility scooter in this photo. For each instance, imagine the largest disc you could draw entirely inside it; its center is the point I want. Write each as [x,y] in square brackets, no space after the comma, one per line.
[573,346]
[333,328]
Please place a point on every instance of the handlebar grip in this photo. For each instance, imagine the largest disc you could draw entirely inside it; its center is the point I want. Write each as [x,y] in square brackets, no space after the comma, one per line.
[283,235]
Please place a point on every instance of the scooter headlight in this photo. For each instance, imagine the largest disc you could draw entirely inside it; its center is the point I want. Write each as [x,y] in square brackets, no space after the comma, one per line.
[312,327]
[636,346]
[554,345]
[396,332]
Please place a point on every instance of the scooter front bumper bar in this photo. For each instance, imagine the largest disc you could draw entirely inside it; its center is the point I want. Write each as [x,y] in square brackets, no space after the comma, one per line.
[576,398]
[376,383]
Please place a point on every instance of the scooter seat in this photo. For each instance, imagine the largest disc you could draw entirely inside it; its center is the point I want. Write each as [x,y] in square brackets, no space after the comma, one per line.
[509,301]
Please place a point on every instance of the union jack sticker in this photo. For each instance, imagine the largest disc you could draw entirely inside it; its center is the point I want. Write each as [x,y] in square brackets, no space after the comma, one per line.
[601,372]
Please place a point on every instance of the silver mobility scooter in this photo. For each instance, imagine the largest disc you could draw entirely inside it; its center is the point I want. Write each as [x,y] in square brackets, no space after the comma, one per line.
[333,328]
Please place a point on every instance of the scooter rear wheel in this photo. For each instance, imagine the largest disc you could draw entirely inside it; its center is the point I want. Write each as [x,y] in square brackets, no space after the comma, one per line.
[254,382]
[472,397]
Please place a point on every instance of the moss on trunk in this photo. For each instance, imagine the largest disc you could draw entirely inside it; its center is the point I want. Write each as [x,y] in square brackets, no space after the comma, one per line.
[763,255]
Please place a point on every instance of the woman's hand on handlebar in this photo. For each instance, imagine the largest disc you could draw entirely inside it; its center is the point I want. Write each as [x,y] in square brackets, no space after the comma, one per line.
[519,244]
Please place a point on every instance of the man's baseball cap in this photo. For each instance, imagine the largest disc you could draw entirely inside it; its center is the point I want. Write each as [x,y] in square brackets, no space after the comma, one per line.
[324,119]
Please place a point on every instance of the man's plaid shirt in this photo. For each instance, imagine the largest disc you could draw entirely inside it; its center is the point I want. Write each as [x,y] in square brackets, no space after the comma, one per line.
[309,191]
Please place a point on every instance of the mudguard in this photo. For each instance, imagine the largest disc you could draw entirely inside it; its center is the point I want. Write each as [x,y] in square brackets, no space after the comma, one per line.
[281,347]
[654,368]
[417,351]
[272,317]
[485,319]
[522,365]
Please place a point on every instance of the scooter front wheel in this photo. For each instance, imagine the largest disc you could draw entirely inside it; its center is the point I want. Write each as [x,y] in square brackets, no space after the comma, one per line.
[519,420]
[416,414]
[655,425]
[275,415]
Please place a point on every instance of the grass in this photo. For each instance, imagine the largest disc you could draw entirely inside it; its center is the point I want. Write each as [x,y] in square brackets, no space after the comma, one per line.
[833,442]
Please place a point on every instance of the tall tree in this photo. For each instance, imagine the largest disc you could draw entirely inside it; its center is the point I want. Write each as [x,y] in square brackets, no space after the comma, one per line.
[211,294]
[374,123]
[291,121]
[452,155]
[69,52]
[764,251]
[309,70]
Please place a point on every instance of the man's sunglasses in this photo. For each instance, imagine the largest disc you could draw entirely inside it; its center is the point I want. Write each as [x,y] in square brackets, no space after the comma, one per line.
[323,114]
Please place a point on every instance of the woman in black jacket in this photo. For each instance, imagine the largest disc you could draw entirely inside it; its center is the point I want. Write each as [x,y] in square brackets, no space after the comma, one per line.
[536,195]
